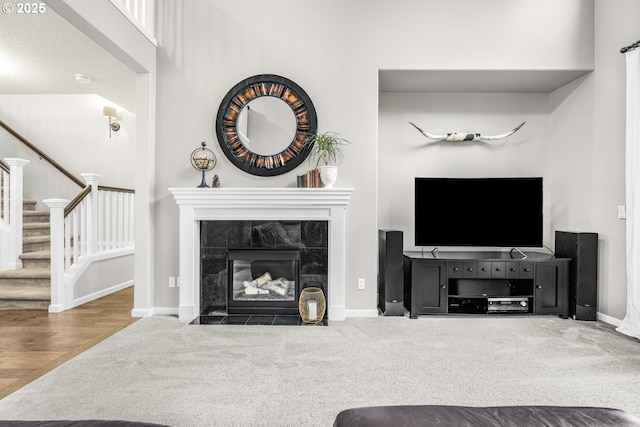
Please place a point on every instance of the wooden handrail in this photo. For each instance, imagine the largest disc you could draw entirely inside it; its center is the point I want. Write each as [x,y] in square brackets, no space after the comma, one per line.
[4,166]
[85,192]
[76,200]
[117,189]
[41,154]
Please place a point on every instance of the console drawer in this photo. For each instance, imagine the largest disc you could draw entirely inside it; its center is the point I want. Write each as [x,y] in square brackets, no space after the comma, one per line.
[455,269]
[498,269]
[513,270]
[469,269]
[484,269]
[526,270]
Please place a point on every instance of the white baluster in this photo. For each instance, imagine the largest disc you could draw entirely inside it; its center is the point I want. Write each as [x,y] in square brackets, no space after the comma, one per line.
[61,298]
[74,235]
[121,219]
[67,243]
[100,211]
[5,197]
[92,211]
[15,210]
[4,234]
[107,220]
[131,218]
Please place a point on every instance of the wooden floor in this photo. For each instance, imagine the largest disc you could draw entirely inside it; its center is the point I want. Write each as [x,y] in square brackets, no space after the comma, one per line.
[33,343]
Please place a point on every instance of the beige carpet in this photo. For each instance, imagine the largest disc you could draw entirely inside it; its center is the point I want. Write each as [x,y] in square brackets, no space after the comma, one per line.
[163,371]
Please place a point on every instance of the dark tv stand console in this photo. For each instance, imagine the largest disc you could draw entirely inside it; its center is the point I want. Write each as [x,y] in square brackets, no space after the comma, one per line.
[485,283]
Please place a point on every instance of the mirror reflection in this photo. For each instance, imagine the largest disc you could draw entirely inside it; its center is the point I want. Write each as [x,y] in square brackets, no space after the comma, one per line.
[266,125]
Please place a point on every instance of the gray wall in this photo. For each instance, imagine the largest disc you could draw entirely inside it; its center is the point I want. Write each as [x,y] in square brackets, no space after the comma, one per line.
[587,151]
[103,277]
[405,154]
[334,49]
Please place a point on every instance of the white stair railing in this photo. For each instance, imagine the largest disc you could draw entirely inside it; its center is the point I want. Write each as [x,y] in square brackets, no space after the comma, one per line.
[11,213]
[141,13]
[97,224]
[4,216]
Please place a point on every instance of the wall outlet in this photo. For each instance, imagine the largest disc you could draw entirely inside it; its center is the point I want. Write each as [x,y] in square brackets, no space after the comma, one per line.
[360,283]
[622,212]
[172,282]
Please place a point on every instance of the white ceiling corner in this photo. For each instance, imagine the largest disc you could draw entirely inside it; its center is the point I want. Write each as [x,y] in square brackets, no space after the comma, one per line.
[42,53]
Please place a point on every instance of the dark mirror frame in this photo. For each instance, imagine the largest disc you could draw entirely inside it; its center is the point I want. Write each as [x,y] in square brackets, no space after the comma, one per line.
[243,93]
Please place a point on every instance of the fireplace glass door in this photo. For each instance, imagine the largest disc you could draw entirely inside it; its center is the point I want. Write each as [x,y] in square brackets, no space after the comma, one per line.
[263,281]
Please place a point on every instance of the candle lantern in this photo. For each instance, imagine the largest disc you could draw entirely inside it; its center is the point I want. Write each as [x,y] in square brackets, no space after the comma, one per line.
[312,305]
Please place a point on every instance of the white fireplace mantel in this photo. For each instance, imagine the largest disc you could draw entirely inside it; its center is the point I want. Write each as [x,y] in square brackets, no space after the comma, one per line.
[218,204]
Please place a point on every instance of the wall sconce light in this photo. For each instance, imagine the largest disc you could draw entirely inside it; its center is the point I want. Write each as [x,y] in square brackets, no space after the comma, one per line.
[111,113]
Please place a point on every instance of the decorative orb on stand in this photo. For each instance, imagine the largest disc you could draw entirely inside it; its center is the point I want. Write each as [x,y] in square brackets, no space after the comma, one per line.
[204,160]
[312,305]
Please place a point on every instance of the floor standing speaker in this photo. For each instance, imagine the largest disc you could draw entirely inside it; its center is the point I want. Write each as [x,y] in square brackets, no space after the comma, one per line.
[582,248]
[390,273]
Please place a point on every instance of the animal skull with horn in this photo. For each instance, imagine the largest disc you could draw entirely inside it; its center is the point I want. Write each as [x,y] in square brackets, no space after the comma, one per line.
[466,137]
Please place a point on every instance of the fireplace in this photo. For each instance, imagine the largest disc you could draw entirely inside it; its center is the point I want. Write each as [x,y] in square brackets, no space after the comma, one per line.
[260,267]
[203,269]
[263,281]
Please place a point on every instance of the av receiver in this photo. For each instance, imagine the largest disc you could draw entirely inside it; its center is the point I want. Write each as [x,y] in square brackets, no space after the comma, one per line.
[506,305]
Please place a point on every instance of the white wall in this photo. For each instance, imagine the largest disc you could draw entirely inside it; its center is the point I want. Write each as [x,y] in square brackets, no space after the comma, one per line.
[334,49]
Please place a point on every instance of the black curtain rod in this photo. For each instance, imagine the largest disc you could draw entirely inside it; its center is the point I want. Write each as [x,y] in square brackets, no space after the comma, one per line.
[630,47]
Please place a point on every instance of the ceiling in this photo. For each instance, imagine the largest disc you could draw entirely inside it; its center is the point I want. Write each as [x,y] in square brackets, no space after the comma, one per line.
[42,53]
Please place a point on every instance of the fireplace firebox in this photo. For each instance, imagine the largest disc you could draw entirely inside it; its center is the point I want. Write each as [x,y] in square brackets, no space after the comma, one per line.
[263,281]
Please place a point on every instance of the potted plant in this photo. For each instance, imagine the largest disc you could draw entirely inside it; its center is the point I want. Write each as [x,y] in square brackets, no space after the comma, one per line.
[327,148]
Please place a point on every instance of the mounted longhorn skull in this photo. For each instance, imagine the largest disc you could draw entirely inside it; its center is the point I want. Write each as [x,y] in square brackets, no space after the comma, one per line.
[466,137]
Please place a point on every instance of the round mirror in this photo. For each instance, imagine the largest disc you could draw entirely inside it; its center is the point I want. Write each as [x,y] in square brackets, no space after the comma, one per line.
[262,125]
[266,125]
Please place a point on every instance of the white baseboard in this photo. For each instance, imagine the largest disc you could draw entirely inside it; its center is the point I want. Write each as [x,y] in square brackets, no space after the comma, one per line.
[608,319]
[102,293]
[362,313]
[148,312]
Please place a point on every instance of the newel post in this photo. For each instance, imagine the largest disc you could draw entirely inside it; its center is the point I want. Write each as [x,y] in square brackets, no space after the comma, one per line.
[16,185]
[92,211]
[61,298]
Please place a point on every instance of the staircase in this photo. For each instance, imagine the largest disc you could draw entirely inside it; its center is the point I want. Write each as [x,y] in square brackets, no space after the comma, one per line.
[29,288]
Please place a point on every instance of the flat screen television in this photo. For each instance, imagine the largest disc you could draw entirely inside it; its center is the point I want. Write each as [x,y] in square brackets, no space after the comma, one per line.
[492,212]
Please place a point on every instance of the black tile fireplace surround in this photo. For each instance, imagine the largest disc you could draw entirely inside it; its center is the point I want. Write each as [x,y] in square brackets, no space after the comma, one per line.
[217,238]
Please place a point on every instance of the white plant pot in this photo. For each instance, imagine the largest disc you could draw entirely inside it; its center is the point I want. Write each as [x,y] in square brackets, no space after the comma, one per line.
[328,175]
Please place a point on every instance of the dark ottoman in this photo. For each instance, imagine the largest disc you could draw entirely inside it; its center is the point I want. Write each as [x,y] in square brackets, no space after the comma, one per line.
[466,416]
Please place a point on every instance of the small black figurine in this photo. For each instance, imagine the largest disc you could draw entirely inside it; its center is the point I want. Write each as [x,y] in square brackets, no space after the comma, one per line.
[216,182]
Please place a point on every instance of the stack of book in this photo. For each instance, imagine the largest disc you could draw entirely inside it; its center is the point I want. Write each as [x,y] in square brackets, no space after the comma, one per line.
[311,179]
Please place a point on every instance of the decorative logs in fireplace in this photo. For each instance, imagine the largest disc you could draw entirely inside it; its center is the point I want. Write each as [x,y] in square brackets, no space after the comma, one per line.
[263,281]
